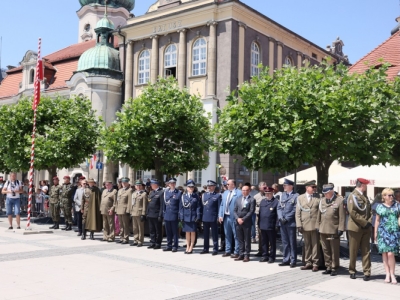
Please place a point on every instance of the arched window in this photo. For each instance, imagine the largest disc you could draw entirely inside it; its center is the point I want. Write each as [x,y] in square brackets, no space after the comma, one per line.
[170,61]
[255,59]
[288,61]
[199,57]
[31,76]
[144,67]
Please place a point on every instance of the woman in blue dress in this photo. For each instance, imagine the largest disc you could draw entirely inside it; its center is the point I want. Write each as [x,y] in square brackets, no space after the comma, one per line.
[387,232]
[190,214]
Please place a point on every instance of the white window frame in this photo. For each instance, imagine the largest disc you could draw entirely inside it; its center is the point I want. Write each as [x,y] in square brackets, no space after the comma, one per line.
[139,174]
[199,57]
[197,176]
[254,177]
[255,59]
[170,56]
[144,67]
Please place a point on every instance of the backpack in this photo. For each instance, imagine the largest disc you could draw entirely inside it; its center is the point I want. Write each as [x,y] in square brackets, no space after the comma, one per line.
[8,183]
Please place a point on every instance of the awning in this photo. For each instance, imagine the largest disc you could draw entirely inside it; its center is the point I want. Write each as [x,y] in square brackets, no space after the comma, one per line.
[311,173]
[378,175]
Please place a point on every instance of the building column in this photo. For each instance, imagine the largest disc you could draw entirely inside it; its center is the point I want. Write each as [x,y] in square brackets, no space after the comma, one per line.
[299,59]
[271,61]
[154,59]
[129,71]
[212,59]
[242,28]
[182,59]
[279,58]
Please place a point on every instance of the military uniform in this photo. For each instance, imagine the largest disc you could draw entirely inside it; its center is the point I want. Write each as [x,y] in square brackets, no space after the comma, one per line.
[122,210]
[138,206]
[85,209]
[306,216]
[108,199]
[66,195]
[54,195]
[259,197]
[359,227]
[171,206]
[154,215]
[330,222]
[211,204]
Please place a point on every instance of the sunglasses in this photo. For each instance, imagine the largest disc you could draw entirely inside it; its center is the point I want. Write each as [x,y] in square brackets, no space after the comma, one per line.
[314,186]
[391,195]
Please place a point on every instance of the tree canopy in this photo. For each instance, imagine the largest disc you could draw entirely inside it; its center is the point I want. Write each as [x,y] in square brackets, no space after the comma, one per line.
[164,129]
[314,114]
[67,133]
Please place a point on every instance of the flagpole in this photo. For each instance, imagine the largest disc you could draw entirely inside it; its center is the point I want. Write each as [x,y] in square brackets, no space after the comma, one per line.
[35,105]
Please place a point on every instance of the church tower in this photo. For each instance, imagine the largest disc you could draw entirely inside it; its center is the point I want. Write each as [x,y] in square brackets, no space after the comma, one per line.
[92,11]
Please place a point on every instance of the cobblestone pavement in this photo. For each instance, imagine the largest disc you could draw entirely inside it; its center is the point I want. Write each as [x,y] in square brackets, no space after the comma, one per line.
[61,266]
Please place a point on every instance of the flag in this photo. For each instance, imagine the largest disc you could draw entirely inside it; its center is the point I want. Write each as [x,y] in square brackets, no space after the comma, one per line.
[39,78]
[93,161]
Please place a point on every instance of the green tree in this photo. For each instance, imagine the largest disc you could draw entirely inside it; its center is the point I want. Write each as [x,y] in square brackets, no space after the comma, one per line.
[164,129]
[67,133]
[317,115]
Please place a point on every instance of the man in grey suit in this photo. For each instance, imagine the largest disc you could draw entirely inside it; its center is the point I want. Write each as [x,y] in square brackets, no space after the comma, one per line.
[243,212]
[286,215]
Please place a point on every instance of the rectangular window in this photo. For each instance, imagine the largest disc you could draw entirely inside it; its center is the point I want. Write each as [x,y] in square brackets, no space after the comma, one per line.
[315,56]
[197,176]
[139,174]
[254,177]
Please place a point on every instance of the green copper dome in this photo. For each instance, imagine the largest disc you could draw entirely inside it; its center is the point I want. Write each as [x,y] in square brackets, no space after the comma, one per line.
[127,4]
[103,59]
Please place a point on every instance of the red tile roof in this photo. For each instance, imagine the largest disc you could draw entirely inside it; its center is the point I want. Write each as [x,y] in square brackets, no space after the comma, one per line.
[65,71]
[10,85]
[388,51]
[72,51]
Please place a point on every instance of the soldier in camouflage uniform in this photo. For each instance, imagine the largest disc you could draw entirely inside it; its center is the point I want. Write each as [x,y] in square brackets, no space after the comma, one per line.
[66,195]
[55,202]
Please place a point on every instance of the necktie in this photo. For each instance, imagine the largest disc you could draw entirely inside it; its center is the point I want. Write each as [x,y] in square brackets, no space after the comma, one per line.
[228,200]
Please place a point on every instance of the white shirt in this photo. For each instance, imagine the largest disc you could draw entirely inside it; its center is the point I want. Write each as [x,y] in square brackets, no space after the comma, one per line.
[16,189]
[78,198]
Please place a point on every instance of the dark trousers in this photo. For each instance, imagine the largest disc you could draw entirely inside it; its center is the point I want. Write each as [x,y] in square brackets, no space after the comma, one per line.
[214,233]
[289,244]
[155,228]
[171,228]
[269,243]
[243,234]
[78,218]
[222,231]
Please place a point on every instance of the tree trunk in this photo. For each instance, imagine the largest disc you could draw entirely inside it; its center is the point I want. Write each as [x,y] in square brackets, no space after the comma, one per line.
[52,172]
[159,174]
[322,172]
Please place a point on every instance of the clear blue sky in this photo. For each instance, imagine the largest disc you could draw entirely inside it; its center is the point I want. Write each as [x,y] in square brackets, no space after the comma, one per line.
[361,24]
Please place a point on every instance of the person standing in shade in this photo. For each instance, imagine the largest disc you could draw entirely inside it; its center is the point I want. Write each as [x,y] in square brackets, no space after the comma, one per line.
[259,197]
[171,206]
[243,212]
[123,211]
[359,227]
[138,207]
[226,215]
[287,221]
[211,202]
[387,232]
[66,197]
[306,216]
[190,214]
[331,222]
[267,220]
[108,198]
[154,214]
[55,191]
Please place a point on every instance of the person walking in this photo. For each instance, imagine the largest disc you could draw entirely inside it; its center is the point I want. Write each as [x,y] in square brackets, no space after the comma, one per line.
[359,227]
[12,189]
[387,232]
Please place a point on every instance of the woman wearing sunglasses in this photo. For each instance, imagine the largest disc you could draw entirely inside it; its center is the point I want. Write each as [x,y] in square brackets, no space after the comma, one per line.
[387,232]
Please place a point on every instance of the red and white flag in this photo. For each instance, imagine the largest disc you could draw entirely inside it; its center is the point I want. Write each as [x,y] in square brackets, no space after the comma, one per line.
[39,78]
[93,161]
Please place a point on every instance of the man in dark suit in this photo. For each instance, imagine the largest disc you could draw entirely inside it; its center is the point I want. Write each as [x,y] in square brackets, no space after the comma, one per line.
[243,212]
[154,214]
[211,203]
[287,220]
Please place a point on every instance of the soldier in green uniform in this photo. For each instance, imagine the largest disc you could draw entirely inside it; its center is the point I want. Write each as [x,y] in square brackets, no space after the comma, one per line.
[359,227]
[123,210]
[330,223]
[66,195]
[55,202]
[138,205]
[108,199]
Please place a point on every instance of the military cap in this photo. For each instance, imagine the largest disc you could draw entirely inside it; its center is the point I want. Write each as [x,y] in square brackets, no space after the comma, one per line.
[211,182]
[288,182]
[155,181]
[363,181]
[82,177]
[91,180]
[268,189]
[139,182]
[66,177]
[172,180]
[326,188]
[125,179]
[311,182]
[55,178]
[190,183]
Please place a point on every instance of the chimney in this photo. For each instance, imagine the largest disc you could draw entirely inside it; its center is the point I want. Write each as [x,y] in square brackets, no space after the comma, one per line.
[397,28]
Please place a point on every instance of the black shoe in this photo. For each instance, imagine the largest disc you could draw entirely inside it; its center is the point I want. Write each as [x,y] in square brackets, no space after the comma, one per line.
[52,227]
[353,276]
[18,227]
[366,278]
[56,226]
[327,272]
[69,227]
[222,249]
[80,234]
[134,244]
[293,265]
[204,252]
[167,249]
[264,259]
[92,236]
[64,228]
[189,252]
[239,258]
[215,253]
[333,273]
[174,250]
[140,245]
[83,235]
[226,255]
[271,261]
[157,247]
[9,228]
[125,242]
[282,264]
[258,254]
[151,246]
